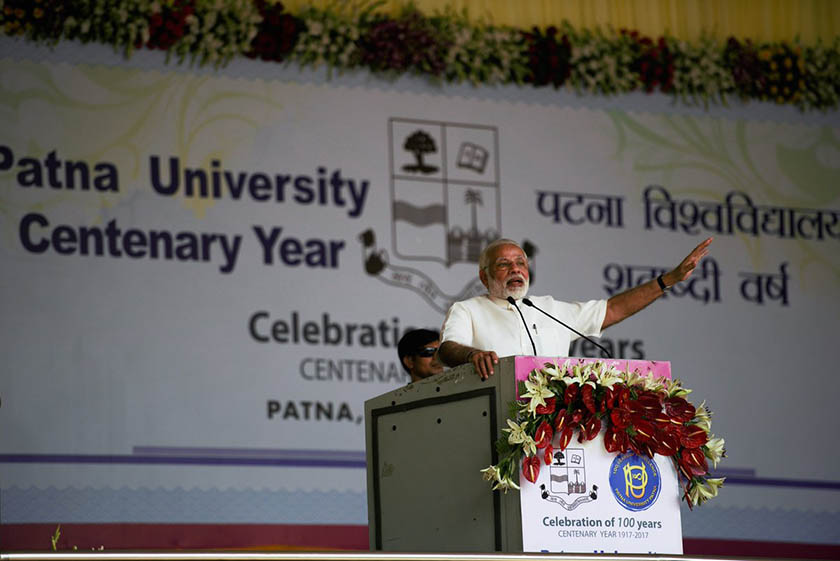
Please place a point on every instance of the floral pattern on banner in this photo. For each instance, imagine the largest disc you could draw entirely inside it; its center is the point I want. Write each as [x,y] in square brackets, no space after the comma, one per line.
[444,46]
[637,413]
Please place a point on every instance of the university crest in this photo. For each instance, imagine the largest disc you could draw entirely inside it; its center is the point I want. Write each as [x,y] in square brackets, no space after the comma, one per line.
[445,204]
[567,484]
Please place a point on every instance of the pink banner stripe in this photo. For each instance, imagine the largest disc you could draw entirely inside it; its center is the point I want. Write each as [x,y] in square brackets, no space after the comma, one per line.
[525,364]
[35,537]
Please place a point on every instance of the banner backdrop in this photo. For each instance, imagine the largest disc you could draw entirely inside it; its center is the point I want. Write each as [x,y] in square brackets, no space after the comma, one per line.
[204,277]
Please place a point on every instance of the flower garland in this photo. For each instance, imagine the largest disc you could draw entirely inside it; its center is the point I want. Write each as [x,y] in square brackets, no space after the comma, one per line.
[446,46]
[642,414]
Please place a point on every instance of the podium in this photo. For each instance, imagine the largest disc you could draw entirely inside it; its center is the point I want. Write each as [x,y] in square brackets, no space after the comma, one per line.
[426,443]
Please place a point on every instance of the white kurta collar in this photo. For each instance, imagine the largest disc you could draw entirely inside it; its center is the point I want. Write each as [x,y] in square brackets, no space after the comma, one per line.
[502,303]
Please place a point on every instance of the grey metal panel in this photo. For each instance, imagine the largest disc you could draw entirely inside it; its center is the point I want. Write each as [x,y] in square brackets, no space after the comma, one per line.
[426,443]
[431,497]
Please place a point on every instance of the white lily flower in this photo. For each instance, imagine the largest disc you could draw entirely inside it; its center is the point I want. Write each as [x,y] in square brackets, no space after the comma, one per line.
[553,372]
[696,494]
[609,376]
[522,407]
[538,377]
[703,417]
[505,485]
[701,492]
[715,450]
[715,483]
[491,473]
[706,492]
[653,383]
[675,389]
[576,375]
[529,446]
[517,432]
[537,392]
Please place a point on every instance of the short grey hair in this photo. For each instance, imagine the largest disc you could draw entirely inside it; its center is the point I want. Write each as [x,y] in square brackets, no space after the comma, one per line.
[484,259]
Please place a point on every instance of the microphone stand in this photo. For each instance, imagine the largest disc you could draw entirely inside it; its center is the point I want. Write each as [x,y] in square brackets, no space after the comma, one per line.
[528,302]
[525,323]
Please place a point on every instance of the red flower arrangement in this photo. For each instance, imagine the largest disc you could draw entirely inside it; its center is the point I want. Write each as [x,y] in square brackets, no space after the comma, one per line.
[635,413]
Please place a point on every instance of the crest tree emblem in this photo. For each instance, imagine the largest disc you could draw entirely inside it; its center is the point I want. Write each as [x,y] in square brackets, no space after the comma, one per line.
[420,143]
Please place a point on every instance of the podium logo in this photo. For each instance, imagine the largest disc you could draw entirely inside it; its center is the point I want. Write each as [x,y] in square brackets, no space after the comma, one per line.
[635,481]
[445,207]
[567,486]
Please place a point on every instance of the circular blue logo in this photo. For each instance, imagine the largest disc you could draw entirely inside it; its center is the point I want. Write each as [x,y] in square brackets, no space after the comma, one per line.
[635,481]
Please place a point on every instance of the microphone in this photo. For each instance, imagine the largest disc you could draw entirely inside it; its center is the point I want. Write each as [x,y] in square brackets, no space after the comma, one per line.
[528,302]
[525,323]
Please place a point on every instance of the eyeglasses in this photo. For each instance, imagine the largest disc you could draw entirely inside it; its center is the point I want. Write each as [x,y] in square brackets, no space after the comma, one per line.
[508,265]
[426,352]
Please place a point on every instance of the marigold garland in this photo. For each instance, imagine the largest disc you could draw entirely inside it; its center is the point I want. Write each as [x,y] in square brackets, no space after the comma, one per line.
[638,413]
[445,46]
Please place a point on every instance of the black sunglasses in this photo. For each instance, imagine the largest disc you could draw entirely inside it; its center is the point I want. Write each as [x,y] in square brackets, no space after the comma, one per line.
[426,352]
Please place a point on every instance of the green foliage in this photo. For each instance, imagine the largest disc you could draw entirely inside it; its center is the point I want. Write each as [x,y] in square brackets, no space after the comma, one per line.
[55,537]
[446,46]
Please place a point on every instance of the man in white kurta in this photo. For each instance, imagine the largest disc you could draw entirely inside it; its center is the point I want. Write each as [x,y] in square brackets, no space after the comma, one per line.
[487,322]
[482,329]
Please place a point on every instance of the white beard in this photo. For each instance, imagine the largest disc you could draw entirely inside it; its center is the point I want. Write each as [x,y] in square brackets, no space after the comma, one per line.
[500,290]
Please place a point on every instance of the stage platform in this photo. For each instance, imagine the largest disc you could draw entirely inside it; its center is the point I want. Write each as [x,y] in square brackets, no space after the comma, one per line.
[342,556]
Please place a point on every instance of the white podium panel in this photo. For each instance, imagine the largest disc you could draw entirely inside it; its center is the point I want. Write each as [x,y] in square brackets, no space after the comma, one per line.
[591,501]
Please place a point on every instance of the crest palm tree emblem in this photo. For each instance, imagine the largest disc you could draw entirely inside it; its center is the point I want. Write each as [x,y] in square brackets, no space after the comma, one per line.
[473,198]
